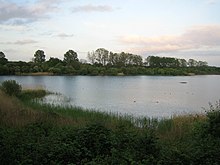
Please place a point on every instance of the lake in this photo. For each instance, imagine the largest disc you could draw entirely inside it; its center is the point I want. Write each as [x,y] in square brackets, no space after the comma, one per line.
[152,96]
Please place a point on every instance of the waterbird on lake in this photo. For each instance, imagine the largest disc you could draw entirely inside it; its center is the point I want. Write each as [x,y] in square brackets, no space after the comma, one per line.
[183,82]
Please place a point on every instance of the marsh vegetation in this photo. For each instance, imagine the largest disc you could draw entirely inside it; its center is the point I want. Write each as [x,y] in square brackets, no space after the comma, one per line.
[32,133]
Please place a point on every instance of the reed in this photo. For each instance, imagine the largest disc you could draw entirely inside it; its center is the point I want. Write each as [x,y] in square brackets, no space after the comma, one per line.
[167,129]
[67,134]
[13,113]
[80,116]
[17,113]
[28,94]
[178,126]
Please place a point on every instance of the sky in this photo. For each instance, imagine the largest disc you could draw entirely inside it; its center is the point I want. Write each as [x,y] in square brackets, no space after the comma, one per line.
[171,28]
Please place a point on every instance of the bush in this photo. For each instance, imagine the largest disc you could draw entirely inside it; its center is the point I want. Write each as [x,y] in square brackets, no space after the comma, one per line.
[11,87]
[32,94]
[205,141]
[214,119]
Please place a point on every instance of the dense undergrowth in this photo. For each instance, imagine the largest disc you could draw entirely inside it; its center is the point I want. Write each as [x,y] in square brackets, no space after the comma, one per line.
[32,133]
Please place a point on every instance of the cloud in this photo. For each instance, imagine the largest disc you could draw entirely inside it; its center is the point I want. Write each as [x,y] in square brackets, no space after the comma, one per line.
[20,28]
[17,13]
[194,38]
[211,2]
[64,35]
[93,8]
[14,13]
[24,42]
[9,10]
[21,42]
[9,50]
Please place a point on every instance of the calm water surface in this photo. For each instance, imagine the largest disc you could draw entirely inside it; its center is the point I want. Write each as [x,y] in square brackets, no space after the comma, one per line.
[153,96]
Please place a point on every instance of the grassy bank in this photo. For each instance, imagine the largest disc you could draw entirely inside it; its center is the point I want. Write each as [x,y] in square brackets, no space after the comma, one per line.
[35,74]
[32,133]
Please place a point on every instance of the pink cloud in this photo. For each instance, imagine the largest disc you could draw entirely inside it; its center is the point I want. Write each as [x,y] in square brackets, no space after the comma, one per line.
[196,37]
[93,8]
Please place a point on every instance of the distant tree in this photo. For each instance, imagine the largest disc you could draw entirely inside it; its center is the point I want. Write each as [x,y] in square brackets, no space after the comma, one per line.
[71,59]
[147,61]
[202,63]
[91,57]
[39,56]
[192,63]
[113,59]
[55,70]
[102,56]
[153,61]
[2,55]
[122,59]
[168,62]
[136,60]
[183,63]
[4,70]
[53,61]
[70,56]
[3,60]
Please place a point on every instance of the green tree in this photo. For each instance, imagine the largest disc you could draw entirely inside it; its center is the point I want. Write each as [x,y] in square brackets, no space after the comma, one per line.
[4,70]
[3,60]
[155,61]
[91,57]
[202,63]
[102,56]
[53,61]
[183,63]
[11,87]
[113,59]
[137,60]
[192,63]
[2,55]
[123,59]
[70,56]
[39,56]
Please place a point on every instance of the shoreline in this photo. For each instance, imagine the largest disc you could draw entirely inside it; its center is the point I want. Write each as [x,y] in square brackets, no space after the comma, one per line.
[118,75]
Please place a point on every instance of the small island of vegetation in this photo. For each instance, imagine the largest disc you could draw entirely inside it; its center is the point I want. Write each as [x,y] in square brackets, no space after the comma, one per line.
[104,62]
[34,133]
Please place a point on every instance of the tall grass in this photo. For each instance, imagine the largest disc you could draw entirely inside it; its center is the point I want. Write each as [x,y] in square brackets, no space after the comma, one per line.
[17,113]
[14,113]
[178,126]
[28,94]
[167,129]
[80,116]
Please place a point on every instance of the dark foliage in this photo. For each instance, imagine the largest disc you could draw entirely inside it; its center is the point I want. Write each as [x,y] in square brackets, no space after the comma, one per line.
[42,143]
[103,62]
[45,142]
[11,87]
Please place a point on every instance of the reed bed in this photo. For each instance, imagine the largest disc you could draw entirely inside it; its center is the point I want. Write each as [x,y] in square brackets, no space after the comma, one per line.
[15,112]
[58,134]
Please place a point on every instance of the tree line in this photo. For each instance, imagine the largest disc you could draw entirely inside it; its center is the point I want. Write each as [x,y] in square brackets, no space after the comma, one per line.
[104,62]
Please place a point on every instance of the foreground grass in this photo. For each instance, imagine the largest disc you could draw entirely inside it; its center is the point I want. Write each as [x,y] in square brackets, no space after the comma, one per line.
[32,133]
[13,113]
[169,129]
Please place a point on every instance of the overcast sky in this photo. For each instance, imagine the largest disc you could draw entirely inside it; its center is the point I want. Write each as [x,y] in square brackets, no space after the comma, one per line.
[176,28]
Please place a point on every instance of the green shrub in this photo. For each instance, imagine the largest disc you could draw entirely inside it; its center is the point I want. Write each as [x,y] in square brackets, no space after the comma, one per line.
[214,120]
[205,141]
[11,87]
[32,94]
